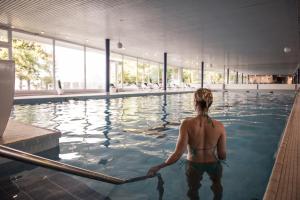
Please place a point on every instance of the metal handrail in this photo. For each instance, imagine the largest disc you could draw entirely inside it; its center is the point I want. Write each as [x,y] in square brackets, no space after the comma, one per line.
[25,157]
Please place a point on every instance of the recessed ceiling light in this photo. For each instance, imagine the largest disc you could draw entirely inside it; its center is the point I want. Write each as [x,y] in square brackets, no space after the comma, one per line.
[87,41]
[42,32]
[12,26]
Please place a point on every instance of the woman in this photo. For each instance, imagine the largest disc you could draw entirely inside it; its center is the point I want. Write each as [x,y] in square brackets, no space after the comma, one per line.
[205,139]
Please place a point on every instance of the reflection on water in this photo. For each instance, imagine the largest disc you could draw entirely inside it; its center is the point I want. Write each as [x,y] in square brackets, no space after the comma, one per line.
[107,126]
[123,137]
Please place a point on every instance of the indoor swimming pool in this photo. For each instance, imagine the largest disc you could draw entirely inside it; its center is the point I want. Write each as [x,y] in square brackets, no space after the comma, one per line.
[123,137]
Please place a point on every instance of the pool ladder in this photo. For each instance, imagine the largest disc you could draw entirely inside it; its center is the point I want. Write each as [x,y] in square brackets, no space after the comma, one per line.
[25,157]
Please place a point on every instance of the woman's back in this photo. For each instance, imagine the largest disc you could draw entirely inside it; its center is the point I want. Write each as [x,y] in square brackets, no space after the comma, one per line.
[205,137]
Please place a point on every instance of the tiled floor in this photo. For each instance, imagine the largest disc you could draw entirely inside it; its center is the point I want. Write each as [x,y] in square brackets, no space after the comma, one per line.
[40,183]
[284,183]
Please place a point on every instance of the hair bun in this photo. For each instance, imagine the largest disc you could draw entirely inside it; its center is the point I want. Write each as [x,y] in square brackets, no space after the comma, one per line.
[204,95]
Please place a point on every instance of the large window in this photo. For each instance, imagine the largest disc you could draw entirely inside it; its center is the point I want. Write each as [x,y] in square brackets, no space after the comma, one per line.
[173,75]
[33,60]
[95,69]
[116,65]
[69,65]
[232,77]
[154,73]
[4,39]
[195,75]
[143,71]
[187,77]
[129,70]
[213,77]
[3,35]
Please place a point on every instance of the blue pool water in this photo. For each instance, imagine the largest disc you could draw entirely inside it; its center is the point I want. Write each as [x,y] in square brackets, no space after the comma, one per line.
[112,136]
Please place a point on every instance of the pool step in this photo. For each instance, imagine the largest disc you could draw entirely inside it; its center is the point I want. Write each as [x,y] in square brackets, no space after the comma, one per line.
[41,183]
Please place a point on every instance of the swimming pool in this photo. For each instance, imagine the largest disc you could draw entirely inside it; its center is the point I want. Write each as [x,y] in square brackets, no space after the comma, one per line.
[123,137]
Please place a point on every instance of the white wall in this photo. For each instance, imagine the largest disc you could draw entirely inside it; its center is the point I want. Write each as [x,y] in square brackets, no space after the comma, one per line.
[241,87]
[248,86]
[7,87]
[277,87]
[213,86]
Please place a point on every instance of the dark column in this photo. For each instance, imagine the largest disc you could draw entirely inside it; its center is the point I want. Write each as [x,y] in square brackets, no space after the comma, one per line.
[84,64]
[298,75]
[202,73]
[242,78]
[165,71]
[107,64]
[227,75]
[237,78]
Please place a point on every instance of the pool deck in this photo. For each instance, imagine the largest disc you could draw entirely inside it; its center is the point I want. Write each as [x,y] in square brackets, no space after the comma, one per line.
[84,96]
[28,138]
[284,182]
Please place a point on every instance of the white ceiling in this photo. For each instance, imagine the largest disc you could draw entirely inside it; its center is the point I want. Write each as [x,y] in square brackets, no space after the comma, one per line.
[247,35]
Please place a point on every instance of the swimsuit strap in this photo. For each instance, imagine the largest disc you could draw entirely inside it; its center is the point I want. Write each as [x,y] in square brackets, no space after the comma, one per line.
[195,150]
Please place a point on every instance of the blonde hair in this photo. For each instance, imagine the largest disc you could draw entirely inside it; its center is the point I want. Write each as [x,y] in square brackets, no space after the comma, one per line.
[203,99]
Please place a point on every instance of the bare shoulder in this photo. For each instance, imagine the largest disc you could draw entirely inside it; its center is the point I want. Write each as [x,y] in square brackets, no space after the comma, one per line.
[186,121]
[218,124]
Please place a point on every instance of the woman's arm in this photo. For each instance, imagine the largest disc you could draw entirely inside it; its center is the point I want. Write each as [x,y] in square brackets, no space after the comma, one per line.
[221,146]
[181,146]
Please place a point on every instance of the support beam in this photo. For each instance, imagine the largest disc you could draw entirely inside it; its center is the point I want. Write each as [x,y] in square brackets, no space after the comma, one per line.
[242,78]
[227,75]
[107,65]
[298,75]
[202,73]
[84,66]
[165,71]
[54,64]
[237,78]
[224,75]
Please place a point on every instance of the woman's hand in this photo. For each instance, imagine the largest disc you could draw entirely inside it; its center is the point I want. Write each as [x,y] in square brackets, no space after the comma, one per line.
[153,170]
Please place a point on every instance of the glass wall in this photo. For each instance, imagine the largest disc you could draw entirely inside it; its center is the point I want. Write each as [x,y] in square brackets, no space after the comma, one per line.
[213,77]
[3,35]
[33,58]
[173,76]
[154,73]
[95,69]
[143,72]
[129,71]
[187,76]
[34,68]
[69,60]
[116,68]
[232,77]
[195,75]
[3,53]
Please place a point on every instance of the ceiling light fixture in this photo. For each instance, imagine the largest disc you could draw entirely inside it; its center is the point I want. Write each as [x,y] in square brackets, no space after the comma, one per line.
[287,50]
[120,44]
[42,32]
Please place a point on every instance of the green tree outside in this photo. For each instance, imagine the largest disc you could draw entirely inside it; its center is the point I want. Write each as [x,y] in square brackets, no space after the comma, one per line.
[32,63]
